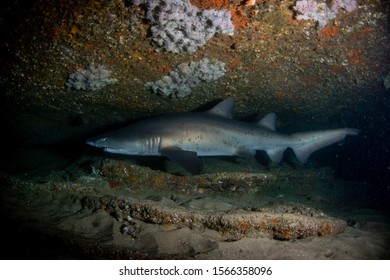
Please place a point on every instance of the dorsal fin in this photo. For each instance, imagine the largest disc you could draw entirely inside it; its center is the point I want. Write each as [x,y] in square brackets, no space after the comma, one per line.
[268,121]
[223,108]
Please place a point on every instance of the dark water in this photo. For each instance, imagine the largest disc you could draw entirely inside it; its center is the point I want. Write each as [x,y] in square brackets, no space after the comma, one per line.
[368,158]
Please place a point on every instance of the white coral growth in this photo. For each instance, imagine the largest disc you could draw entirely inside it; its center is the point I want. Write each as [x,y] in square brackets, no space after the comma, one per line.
[322,12]
[90,79]
[183,77]
[179,27]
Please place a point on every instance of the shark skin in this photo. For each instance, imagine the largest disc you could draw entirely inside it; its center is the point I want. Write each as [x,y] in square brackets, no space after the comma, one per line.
[182,137]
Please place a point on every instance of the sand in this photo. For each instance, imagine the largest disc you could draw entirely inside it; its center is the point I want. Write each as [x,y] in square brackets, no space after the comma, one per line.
[90,218]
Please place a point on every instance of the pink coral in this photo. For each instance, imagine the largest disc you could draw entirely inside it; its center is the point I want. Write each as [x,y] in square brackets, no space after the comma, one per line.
[250,3]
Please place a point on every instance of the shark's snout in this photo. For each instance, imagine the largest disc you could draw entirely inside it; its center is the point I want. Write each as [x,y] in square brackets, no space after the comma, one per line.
[96,142]
[90,142]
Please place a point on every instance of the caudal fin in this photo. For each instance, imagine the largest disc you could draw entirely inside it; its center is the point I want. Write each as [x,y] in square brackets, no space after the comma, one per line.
[305,143]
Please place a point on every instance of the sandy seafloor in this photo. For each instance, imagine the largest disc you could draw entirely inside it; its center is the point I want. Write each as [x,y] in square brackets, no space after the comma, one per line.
[68,214]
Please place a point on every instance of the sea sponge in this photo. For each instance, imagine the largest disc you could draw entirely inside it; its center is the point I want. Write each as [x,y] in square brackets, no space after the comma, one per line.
[179,27]
[311,10]
[90,79]
[178,82]
[322,12]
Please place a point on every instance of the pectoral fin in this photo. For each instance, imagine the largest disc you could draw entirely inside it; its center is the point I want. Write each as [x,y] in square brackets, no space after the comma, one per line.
[187,159]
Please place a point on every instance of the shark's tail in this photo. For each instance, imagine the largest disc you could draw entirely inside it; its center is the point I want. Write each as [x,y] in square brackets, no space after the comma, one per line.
[305,143]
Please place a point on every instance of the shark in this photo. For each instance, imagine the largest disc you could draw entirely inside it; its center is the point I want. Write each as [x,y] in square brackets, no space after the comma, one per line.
[183,137]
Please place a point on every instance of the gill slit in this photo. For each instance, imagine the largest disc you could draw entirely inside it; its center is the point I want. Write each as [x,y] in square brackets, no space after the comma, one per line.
[152,145]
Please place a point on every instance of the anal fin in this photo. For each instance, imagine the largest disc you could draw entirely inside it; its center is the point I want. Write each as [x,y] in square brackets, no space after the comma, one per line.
[187,159]
[276,155]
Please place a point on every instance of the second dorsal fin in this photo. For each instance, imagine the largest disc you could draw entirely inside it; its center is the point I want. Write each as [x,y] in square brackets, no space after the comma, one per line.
[223,108]
[268,121]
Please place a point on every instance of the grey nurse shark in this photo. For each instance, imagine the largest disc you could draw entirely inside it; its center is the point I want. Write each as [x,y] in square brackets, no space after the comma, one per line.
[182,137]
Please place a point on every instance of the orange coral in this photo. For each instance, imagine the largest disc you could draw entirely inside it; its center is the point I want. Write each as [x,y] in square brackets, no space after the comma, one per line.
[244,226]
[355,56]
[235,63]
[287,233]
[329,32]
[211,4]
[240,20]
[250,3]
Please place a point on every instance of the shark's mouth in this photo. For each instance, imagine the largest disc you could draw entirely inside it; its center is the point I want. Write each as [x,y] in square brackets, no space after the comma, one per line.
[120,151]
